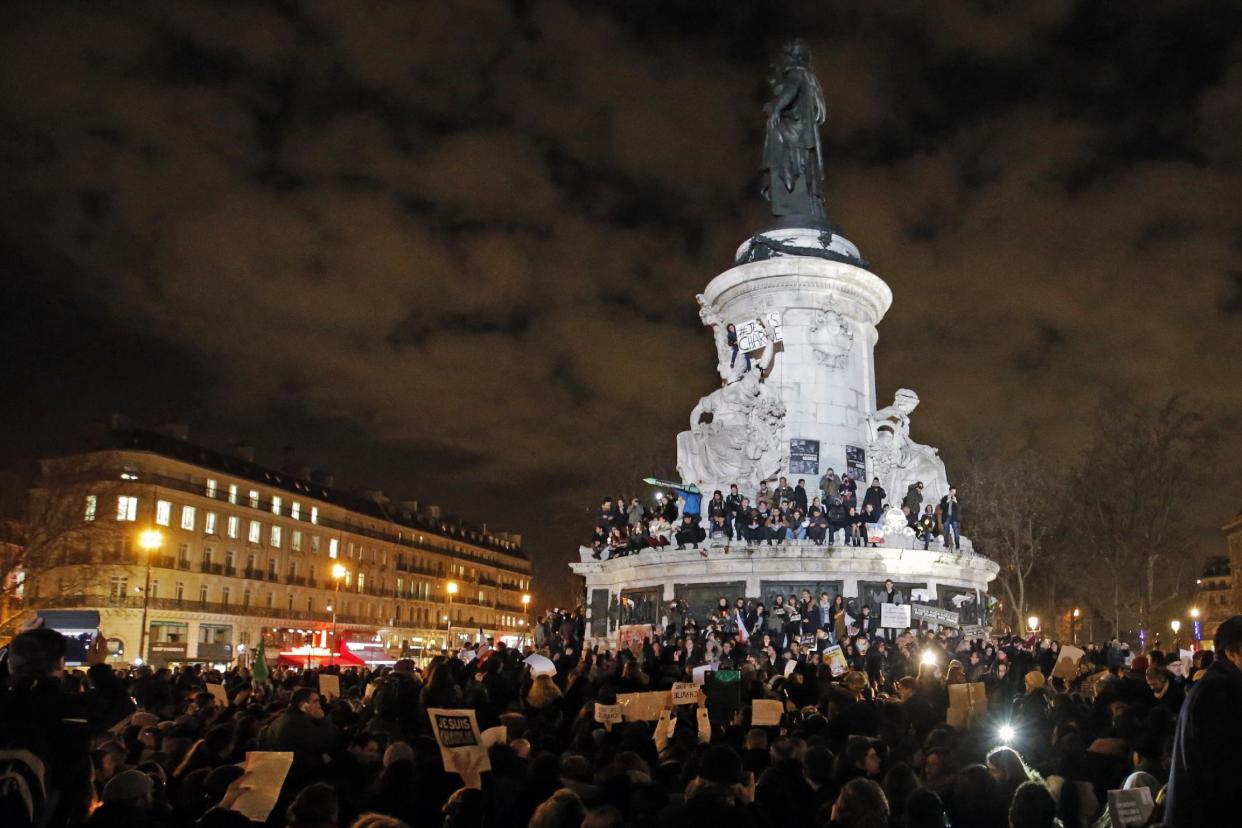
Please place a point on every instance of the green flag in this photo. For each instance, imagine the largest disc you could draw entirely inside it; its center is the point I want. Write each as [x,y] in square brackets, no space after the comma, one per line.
[259,670]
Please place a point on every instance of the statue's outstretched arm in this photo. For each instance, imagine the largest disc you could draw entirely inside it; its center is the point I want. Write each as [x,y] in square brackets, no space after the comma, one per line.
[769,350]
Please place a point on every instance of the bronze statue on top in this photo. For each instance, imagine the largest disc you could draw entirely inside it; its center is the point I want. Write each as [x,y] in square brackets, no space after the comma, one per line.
[793,159]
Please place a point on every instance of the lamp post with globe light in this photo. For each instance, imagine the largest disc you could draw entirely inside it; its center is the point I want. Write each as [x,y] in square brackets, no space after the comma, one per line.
[338,572]
[450,589]
[1032,623]
[1074,625]
[1176,624]
[150,541]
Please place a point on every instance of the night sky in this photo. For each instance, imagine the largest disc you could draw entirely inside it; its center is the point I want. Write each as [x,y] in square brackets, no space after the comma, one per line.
[451,249]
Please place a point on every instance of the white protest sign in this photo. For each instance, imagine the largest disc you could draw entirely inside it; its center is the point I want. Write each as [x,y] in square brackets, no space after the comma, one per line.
[968,704]
[685,692]
[608,714]
[1067,662]
[750,334]
[329,686]
[700,673]
[766,712]
[1131,807]
[457,732]
[540,665]
[790,666]
[836,660]
[261,782]
[217,693]
[895,616]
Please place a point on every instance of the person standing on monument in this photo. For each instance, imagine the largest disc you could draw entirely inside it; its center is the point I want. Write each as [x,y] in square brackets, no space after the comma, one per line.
[875,498]
[830,485]
[733,504]
[951,517]
[799,495]
[914,501]
[784,492]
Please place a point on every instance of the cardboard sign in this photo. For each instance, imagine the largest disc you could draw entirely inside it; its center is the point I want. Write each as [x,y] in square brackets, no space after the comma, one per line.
[261,781]
[766,712]
[1067,663]
[934,615]
[457,731]
[1131,807]
[685,692]
[835,659]
[643,707]
[369,692]
[968,705]
[895,616]
[704,725]
[217,693]
[329,686]
[607,713]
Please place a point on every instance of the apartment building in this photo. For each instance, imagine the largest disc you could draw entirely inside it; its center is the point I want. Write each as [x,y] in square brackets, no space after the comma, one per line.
[217,551]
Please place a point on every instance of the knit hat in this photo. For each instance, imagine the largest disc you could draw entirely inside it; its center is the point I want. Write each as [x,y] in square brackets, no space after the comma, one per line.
[1033,680]
[398,752]
[720,764]
[127,785]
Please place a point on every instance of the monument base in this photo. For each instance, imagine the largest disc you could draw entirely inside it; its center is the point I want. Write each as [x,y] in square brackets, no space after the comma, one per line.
[646,582]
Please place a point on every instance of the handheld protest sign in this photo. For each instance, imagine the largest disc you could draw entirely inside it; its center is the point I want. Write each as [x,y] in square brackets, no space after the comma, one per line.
[1129,808]
[766,713]
[643,707]
[329,686]
[608,714]
[260,783]
[217,692]
[895,616]
[836,660]
[705,725]
[685,692]
[457,733]
[700,674]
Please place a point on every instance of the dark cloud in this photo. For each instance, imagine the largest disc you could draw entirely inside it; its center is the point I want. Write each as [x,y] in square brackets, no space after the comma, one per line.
[452,249]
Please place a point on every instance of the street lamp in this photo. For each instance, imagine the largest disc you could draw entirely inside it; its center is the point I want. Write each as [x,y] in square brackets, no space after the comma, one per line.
[1176,624]
[1033,623]
[1074,625]
[338,572]
[150,541]
[451,589]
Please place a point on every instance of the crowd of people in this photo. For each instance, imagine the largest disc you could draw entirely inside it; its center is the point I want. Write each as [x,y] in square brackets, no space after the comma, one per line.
[874,745]
[770,516]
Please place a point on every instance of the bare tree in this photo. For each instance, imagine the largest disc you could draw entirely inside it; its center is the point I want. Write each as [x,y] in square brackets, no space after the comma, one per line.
[1131,493]
[1015,511]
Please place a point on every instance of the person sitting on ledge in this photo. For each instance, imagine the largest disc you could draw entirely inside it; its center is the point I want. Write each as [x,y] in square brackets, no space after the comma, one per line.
[855,528]
[689,531]
[927,526]
[870,518]
[795,526]
[817,525]
[719,528]
[752,531]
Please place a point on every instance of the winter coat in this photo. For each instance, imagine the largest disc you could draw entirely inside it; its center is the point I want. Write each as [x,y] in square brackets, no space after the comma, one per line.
[913,499]
[1203,783]
[875,497]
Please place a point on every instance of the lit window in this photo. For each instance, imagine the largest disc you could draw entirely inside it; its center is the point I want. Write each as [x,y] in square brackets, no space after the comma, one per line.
[180,591]
[163,512]
[127,507]
[92,503]
[275,504]
[254,499]
[202,593]
[209,523]
[362,581]
[212,488]
[155,588]
[256,532]
[233,493]
[295,510]
[314,514]
[234,526]
[117,585]
[348,578]
[275,536]
[295,540]
[224,595]
[188,516]
[333,547]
